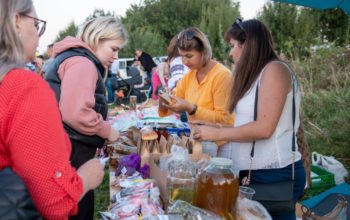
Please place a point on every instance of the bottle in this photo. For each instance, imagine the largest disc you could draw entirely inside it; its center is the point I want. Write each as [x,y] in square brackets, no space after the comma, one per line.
[162,131]
[182,176]
[218,187]
[133,102]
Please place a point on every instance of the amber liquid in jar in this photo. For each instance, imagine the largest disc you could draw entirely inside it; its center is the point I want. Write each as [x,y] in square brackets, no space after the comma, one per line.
[218,190]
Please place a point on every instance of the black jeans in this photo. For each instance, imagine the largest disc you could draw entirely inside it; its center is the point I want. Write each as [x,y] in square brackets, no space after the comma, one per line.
[80,154]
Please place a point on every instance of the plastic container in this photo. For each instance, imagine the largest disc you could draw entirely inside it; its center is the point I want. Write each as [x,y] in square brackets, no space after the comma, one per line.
[182,176]
[210,148]
[323,181]
[218,188]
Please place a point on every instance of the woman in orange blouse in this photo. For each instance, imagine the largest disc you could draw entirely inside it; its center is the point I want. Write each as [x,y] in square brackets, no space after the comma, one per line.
[202,92]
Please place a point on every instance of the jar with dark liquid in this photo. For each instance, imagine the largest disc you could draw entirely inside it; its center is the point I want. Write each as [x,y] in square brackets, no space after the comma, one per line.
[162,131]
[218,187]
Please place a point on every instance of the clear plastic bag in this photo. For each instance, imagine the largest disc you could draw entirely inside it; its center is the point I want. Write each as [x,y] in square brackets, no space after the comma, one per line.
[190,212]
[247,209]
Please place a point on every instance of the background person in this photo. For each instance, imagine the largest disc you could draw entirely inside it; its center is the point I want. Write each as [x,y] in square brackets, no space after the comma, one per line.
[33,142]
[48,62]
[39,62]
[148,65]
[202,92]
[111,79]
[177,68]
[257,64]
[77,80]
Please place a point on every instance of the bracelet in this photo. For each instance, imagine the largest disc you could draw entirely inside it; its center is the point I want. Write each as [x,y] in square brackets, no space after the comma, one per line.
[194,110]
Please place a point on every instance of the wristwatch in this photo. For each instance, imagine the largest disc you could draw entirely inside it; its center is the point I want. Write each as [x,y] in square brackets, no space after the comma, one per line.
[194,110]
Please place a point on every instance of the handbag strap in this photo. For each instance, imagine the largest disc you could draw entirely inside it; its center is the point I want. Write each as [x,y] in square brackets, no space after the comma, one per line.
[255,117]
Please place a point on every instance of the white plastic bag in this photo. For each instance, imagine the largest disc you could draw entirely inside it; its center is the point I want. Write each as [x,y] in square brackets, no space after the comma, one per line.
[331,165]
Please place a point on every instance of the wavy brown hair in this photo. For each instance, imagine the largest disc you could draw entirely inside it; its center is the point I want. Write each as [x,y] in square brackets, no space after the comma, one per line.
[257,52]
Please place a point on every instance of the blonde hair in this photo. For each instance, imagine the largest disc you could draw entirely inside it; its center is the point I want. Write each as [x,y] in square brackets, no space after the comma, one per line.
[194,39]
[12,54]
[100,29]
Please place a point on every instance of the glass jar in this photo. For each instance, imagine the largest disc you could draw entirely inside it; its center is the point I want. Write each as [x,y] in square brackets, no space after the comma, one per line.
[182,176]
[218,187]
[133,102]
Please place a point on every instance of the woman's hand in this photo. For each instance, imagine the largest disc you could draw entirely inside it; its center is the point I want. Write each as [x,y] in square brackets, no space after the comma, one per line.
[180,105]
[91,172]
[113,136]
[205,133]
[202,122]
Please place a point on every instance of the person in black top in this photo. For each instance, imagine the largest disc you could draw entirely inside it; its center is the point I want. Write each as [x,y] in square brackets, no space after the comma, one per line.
[146,61]
[148,64]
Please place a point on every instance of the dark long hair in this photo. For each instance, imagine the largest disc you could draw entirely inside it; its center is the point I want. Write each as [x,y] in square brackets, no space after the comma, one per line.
[257,52]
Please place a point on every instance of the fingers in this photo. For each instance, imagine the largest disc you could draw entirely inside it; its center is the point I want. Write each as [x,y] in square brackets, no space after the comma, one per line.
[197,122]
[113,136]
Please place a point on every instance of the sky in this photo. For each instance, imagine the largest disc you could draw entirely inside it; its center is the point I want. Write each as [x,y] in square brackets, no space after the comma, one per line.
[59,13]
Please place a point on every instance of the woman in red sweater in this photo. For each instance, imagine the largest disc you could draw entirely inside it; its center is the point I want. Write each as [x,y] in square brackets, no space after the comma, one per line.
[33,142]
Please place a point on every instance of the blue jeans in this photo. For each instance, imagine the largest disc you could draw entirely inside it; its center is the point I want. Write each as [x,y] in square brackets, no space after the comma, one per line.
[110,90]
[279,175]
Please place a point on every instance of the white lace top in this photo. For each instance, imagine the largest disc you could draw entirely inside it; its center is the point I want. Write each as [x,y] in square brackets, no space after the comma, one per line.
[275,152]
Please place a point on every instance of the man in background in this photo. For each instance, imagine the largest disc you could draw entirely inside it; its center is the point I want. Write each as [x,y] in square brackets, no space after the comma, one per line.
[48,62]
[148,65]
[146,61]
[111,79]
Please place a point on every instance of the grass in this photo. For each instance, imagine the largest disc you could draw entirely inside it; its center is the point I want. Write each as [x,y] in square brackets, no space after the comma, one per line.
[102,196]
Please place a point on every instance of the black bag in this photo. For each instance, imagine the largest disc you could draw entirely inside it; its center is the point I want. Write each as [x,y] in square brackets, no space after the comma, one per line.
[15,200]
[277,197]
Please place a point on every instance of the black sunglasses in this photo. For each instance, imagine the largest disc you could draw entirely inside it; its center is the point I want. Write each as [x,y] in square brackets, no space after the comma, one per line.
[40,25]
[239,23]
[188,34]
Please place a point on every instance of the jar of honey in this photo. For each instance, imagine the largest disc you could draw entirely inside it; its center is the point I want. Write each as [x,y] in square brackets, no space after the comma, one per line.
[218,187]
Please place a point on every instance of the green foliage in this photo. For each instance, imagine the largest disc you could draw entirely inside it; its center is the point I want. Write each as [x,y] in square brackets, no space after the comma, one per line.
[99,12]
[102,195]
[71,30]
[324,79]
[334,24]
[296,28]
[160,20]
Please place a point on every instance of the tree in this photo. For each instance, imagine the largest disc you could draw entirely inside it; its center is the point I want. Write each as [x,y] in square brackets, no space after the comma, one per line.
[163,19]
[71,30]
[99,12]
[296,28]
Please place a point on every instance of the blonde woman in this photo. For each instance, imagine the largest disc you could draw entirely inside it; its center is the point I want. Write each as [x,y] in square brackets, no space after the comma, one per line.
[76,76]
[33,142]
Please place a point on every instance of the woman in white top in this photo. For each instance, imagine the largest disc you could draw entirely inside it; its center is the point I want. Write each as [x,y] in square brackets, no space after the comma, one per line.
[177,68]
[258,65]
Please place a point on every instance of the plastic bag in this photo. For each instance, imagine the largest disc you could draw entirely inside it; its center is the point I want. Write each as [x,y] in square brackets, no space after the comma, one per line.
[331,165]
[138,198]
[247,209]
[190,212]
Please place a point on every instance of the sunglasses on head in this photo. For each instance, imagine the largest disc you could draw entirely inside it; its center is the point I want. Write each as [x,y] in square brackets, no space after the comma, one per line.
[188,34]
[239,23]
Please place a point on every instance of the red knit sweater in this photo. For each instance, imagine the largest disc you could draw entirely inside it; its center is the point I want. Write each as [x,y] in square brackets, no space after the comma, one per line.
[34,144]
